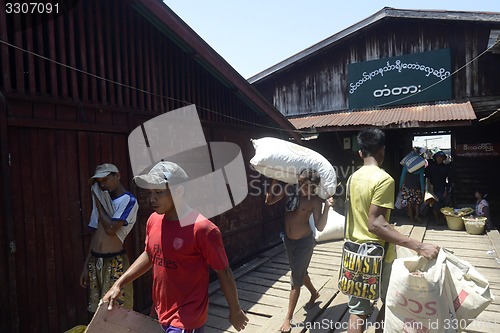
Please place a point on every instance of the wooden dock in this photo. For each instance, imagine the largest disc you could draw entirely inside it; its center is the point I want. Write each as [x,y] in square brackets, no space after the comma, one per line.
[263,284]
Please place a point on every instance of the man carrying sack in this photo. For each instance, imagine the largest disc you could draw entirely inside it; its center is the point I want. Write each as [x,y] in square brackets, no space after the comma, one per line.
[371,200]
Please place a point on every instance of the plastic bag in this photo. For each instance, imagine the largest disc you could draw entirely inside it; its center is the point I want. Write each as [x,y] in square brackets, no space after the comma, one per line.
[399,201]
[469,291]
[440,295]
[413,161]
[416,296]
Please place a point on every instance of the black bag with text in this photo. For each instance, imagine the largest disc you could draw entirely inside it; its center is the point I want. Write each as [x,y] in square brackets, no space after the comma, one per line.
[360,272]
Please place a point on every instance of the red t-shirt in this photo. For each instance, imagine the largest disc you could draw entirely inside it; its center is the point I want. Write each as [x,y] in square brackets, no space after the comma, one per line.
[181,257]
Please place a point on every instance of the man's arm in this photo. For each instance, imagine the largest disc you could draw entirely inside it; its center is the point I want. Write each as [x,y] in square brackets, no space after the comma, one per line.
[402,178]
[378,225]
[320,218]
[449,180]
[236,316]
[110,226]
[422,182]
[140,266]
[275,192]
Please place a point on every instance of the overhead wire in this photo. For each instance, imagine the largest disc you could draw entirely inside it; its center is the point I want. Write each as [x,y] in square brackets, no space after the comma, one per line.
[148,92]
[219,113]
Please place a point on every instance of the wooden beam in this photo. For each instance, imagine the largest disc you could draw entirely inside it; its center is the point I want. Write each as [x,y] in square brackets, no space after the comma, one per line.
[63,125]
[72,54]
[118,46]
[18,54]
[4,49]
[10,316]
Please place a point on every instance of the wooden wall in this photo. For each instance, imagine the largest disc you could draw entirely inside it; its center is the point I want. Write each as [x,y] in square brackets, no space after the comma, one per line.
[319,83]
[113,57]
[57,123]
[478,172]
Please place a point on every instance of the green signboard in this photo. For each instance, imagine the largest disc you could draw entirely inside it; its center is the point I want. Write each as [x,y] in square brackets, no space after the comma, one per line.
[406,79]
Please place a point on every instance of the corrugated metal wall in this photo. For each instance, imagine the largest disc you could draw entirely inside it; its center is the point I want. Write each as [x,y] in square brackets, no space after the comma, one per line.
[57,123]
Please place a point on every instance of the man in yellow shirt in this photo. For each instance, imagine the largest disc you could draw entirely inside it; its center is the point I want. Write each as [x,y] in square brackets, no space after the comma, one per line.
[371,200]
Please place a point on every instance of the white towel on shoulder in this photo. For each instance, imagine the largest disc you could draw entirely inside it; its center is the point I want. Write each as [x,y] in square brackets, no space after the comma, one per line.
[106,202]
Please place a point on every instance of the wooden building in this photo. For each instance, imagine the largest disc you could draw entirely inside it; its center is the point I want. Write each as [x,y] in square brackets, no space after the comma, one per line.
[73,86]
[410,72]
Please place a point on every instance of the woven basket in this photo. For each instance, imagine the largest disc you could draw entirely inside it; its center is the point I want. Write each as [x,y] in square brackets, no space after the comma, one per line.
[475,225]
[455,222]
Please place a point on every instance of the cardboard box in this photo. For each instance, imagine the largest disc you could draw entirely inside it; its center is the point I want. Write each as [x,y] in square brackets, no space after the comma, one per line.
[121,320]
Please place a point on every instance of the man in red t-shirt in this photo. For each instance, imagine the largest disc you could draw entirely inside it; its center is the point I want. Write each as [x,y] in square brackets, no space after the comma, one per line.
[181,245]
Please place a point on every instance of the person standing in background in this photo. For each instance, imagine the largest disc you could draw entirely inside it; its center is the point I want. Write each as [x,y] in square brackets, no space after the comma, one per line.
[114,214]
[412,187]
[439,175]
[482,208]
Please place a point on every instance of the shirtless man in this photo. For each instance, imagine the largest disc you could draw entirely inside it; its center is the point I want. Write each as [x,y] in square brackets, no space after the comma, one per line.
[298,240]
[107,260]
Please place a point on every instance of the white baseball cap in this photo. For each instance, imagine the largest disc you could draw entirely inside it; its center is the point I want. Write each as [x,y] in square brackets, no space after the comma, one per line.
[160,174]
[102,171]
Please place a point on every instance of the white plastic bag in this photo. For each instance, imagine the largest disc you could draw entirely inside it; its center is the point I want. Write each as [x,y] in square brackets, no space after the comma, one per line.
[283,160]
[416,299]
[399,201]
[440,295]
[468,291]
[413,161]
[334,228]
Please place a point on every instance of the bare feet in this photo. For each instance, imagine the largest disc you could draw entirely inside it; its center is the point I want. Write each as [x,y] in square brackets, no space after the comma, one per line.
[286,327]
[312,301]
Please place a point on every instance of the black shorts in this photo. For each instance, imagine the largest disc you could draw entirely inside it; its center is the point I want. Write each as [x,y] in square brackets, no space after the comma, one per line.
[299,253]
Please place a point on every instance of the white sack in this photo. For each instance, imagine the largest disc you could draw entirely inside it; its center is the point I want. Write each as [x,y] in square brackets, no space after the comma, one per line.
[416,297]
[334,228]
[440,295]
[283,160]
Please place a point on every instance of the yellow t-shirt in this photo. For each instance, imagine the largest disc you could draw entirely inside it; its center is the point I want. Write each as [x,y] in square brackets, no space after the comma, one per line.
[369,185]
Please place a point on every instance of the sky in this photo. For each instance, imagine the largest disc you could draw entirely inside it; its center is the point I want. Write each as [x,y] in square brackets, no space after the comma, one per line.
[255,35]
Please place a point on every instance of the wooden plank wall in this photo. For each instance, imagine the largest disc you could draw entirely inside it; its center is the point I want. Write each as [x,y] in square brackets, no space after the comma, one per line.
[58,122]
[472,173]
[121,61]
[319,83]
[49,189]
[52,204]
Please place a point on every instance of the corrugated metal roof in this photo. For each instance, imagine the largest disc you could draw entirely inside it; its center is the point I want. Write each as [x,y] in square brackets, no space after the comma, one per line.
[409,116]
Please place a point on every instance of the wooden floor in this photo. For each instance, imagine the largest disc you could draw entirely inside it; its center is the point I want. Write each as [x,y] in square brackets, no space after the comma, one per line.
[263,284]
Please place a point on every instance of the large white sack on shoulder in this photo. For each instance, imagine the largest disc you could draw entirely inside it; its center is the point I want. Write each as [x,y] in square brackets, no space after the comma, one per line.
[283,160]
[334,228]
